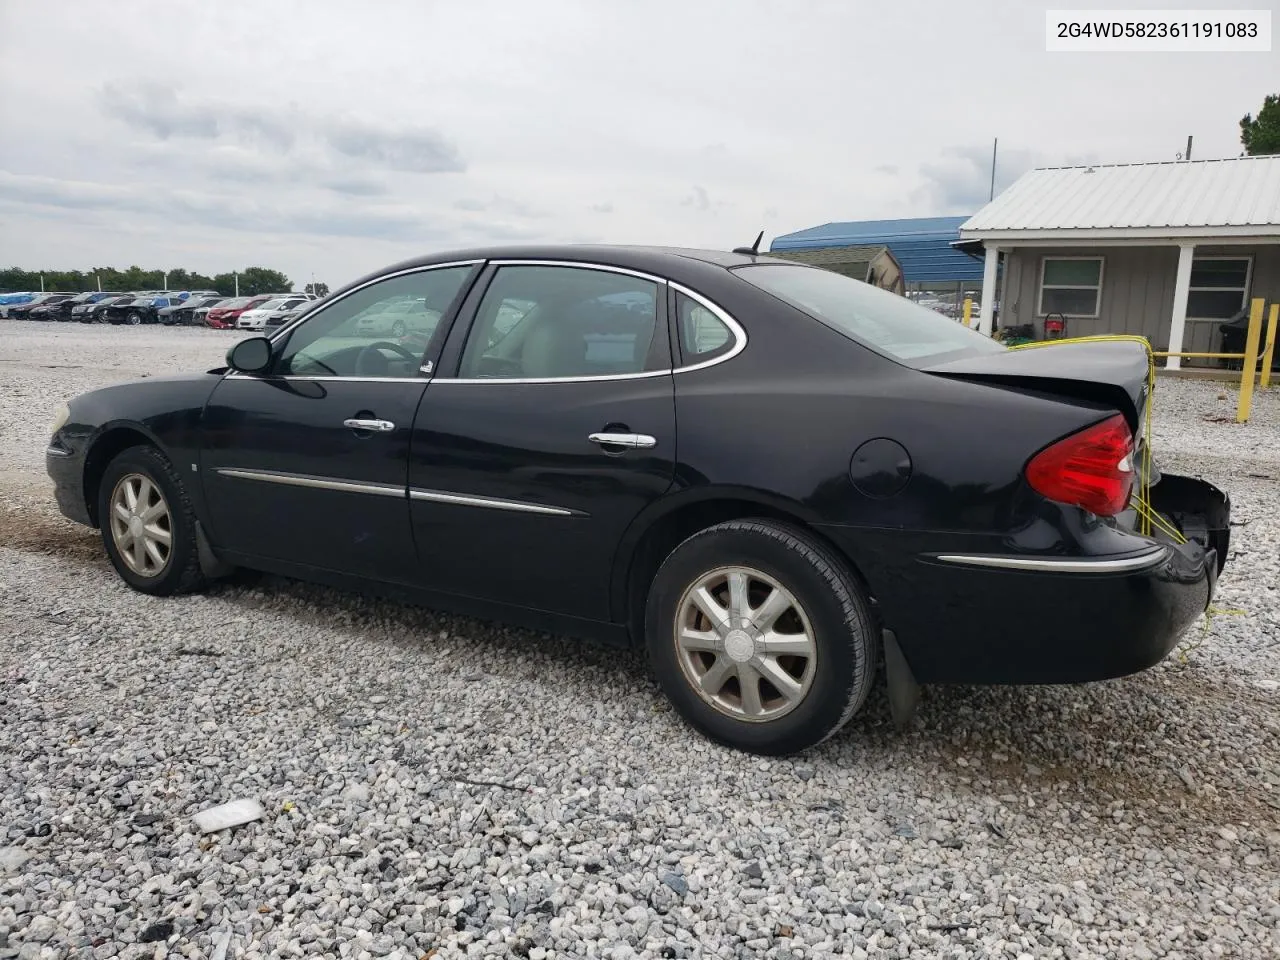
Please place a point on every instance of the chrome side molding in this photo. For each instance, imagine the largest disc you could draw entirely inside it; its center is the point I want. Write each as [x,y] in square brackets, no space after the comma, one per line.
[492,503]
[320,483]
[1061,564]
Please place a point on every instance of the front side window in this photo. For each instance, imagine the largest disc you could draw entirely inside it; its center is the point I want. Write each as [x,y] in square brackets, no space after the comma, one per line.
[339,341]
[1219,287]
[1071,286]
[539,322]
[885,322]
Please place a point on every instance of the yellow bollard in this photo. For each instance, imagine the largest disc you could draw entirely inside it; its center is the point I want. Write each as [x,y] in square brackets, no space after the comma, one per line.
[968,311]
[1250,360]
[1269,352]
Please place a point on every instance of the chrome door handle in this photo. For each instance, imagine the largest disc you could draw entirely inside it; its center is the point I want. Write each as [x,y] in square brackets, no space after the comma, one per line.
[377,426]
[638,440]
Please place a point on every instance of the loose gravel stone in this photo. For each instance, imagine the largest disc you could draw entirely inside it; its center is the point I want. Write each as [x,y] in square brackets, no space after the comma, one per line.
[437,783]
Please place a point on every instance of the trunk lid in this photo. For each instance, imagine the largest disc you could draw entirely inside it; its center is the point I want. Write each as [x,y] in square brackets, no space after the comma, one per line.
[1106,371]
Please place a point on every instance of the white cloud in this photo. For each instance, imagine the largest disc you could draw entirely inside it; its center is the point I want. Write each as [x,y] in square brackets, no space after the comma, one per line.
[311,137]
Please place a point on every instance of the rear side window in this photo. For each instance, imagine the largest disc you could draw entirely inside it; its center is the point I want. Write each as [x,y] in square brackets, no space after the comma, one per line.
[703,335]
[885,322]
[551,322]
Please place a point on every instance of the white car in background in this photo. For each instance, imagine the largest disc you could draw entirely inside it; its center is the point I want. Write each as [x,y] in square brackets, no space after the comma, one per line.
[256,319]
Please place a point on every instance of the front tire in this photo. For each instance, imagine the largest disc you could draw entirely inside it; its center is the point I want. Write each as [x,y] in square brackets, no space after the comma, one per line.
[760,636]
[148,525]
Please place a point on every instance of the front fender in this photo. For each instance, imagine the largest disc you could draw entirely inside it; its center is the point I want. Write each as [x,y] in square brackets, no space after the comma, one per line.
[164,411]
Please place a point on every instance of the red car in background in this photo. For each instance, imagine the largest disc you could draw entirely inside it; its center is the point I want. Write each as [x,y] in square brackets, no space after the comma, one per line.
[224,315]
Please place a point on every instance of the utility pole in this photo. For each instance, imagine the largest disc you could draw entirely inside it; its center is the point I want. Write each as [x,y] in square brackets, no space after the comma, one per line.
[237,276]
[42,283]
[994,143]
[99,283]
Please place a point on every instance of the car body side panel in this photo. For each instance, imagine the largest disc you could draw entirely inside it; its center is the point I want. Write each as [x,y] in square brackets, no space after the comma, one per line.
[165,410]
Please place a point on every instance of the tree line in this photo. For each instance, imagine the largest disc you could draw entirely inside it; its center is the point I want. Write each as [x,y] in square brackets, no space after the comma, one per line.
[252,281]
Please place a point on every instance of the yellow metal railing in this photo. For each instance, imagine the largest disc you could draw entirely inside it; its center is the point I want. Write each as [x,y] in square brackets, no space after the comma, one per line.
[1255,348]
[1249,359]
[1269,352]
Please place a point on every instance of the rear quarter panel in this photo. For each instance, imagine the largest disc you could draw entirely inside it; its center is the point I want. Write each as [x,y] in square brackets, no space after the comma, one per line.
[780,424]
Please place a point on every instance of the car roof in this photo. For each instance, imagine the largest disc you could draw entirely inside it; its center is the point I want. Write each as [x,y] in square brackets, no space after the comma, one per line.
[656,259]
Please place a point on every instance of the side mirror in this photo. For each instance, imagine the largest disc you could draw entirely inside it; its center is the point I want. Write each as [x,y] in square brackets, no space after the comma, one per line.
[250,356]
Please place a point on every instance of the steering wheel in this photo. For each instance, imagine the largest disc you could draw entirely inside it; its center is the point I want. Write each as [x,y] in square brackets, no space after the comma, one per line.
[372,349]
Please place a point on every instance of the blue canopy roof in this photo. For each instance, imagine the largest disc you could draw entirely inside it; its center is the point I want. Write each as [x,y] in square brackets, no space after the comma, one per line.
[922,245]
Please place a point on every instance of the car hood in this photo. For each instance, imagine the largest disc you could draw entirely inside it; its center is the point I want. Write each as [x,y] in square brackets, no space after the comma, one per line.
[1111,371]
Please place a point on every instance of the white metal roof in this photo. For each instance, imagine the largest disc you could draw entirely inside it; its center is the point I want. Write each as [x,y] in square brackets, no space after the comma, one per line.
[1190,198]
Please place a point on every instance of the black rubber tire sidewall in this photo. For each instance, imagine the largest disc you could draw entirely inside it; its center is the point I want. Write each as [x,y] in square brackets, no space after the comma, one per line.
[183,572]
[843,629]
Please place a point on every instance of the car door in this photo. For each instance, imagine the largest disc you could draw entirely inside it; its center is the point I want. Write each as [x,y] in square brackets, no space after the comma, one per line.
[550,426]
[307,463]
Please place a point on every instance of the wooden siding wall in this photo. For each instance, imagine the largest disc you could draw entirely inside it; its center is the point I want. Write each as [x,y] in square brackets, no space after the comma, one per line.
[1137,291]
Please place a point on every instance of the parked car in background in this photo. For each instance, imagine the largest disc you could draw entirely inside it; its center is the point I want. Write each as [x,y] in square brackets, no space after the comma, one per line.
[97,312]
[184,313]
[396,318]
[24,311]
[144,309]
[13,299]
[774,478]
[255,318]
[225,315]
[64,310]
[279,318]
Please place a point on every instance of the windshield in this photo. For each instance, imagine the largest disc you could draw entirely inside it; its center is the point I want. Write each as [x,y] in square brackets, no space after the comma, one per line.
[883,321]
[271,305]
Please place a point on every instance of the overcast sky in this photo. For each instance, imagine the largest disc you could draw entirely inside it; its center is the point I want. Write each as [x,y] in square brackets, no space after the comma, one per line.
[333,137]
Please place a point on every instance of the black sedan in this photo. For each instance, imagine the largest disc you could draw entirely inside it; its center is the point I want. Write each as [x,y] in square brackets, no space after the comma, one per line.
[96,312]
[183,314]
[42,308]
[769,475]
[142,309]
[65,310]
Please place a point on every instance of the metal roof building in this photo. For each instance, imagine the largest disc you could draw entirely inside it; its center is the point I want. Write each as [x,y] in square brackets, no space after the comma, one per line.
[1171,251]
[1198,199]
[922,246]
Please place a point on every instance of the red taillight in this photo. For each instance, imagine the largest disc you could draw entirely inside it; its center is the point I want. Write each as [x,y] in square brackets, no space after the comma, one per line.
[1092,469]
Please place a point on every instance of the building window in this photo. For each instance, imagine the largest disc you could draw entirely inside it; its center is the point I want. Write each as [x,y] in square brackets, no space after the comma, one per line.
[1070,285]
[1219,287]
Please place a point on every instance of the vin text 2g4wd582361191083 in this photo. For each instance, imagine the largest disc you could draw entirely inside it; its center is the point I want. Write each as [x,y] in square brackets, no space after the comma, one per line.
[767,474]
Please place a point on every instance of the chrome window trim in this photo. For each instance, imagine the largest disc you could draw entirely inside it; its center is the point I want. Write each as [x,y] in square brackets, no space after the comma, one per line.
[416,378]
[739,334]
[583,264]
[493,503]
[1059,564]
[321,483]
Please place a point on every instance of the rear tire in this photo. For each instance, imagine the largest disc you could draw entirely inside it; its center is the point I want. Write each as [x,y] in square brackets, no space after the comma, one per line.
[160,508]
[133,318]
[784,666]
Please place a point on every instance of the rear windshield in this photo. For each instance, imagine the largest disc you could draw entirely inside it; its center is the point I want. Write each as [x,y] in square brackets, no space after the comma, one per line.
[885,322]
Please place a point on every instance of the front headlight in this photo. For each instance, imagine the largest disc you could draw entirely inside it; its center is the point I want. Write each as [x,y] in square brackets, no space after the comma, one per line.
[60,421]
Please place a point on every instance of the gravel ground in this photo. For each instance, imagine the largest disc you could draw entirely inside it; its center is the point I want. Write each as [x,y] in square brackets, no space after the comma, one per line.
[440,784]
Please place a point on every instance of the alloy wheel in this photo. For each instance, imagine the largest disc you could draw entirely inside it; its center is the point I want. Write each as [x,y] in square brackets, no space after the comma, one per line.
[141,525]
[745,644]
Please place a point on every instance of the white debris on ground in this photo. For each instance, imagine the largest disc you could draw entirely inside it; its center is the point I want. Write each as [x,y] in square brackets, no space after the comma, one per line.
[437,783]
